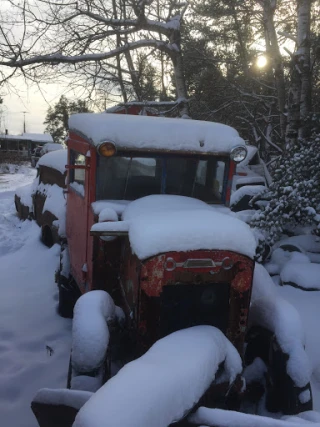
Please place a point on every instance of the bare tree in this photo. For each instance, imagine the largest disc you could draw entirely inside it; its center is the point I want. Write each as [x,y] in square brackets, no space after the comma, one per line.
[92,36]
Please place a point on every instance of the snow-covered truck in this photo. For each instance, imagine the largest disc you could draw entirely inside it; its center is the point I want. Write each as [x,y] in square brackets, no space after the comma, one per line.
[156,254]
[43,200]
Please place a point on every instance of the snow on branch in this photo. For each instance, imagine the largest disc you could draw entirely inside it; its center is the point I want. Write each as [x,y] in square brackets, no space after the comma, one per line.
[57,58]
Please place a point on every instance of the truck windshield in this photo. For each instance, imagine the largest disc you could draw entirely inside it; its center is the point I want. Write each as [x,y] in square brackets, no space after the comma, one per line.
[129,178]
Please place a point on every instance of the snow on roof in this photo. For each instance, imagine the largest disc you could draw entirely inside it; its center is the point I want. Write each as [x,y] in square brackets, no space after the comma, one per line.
[37,137]
[152,133]
[55,159]
[162,385]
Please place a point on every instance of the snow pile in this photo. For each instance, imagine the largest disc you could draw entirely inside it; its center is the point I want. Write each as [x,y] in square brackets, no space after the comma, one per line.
[165,383]
[280,317]
[12,168]
[304,275]
[143,132]
[90,333]
[280,258]
[295,268]
[223,418]
[34,340]
[55,160]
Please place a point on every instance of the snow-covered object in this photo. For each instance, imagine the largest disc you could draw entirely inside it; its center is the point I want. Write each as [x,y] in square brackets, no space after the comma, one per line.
[25,195]
[119,226]
[36,137]
[165,383]
[108,214]
[274,313]
[163,223]
[151,205]
[246,190]
[143,132]
[304,275]
[55,160]
[263,286]
[117,205]
[255,372]
[90,333]
[49,147]
[222,418]
[307,242]
[56,204]
[198,229]
[280,258]
[73,398]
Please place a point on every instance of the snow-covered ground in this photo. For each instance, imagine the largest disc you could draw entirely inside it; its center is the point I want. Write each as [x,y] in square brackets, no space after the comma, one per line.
[34,340]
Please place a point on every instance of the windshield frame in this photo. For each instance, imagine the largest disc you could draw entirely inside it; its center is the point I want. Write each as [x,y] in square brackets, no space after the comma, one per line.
[163,155]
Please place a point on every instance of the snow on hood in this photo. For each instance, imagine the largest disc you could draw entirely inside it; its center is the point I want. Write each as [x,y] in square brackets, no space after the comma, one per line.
[164,223]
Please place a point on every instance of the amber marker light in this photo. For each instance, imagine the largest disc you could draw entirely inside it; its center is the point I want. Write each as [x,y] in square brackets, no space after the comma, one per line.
[107,149]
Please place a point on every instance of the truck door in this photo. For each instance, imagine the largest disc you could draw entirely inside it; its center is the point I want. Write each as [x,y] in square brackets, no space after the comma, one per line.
[77,211]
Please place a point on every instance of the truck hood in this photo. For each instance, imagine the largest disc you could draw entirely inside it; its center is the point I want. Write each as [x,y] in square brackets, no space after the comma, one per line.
[164,223]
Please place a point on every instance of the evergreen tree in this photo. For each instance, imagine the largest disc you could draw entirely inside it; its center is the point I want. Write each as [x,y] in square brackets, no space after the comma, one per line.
[57,117]
[293,198]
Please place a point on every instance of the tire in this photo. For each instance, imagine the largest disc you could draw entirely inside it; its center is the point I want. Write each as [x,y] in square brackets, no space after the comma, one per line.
[282,395]
[68,296]
[47,236]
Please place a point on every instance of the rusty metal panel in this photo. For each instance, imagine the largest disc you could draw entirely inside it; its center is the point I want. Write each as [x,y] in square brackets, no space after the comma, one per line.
[154,277]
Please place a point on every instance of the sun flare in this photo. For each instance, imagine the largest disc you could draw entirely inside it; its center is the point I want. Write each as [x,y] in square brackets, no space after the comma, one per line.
[261,61]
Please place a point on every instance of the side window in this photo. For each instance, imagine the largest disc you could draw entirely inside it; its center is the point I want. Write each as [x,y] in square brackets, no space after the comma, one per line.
[77,176]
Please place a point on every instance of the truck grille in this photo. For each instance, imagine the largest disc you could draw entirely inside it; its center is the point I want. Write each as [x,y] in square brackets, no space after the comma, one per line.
[185,305]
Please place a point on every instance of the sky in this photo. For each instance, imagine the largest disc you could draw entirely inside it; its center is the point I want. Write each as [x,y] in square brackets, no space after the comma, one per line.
[26,98]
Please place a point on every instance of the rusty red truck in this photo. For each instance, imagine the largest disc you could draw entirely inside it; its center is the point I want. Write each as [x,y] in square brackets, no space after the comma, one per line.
[148,223]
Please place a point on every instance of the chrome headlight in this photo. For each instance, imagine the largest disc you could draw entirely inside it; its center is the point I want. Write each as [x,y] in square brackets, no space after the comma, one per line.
[238,153]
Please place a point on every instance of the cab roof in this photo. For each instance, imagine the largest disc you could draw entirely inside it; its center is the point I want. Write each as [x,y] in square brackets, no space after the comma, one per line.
[143,133]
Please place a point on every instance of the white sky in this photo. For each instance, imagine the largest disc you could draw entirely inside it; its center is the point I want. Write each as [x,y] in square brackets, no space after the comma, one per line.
[30,99]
